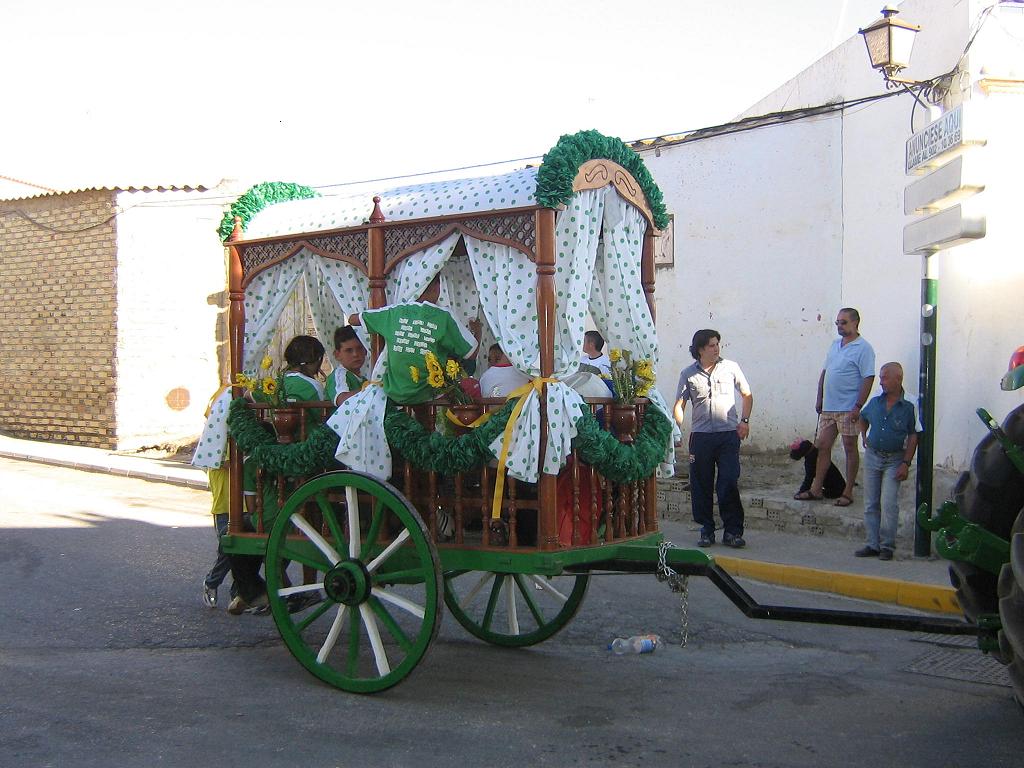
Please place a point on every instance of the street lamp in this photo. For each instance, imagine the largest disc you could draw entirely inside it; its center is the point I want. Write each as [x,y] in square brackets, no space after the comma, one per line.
[890,42]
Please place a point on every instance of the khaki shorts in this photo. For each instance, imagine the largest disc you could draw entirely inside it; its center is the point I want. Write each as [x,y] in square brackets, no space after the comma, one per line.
[844,421]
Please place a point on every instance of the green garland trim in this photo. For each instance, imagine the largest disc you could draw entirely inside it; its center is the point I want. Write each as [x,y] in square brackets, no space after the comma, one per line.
[314,454]
[433,452]
[617,461]
[563,161]
[259,197]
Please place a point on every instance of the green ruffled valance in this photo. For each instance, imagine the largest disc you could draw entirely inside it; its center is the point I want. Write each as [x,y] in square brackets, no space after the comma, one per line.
[259,197]
[562,162]
[620,462]
[433,452]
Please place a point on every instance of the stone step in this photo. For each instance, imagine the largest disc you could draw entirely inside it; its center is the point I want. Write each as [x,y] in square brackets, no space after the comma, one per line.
[769,506]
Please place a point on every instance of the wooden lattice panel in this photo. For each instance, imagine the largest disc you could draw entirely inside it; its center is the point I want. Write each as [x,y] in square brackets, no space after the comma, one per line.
[517,228]
[398,240]
[351,244]
[256,255]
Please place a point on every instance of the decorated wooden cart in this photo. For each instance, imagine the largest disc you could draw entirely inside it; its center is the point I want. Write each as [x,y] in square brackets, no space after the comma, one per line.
[503,522]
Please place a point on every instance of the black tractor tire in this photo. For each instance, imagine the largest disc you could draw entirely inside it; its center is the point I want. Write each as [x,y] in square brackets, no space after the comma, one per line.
[991,495]
[1011,610]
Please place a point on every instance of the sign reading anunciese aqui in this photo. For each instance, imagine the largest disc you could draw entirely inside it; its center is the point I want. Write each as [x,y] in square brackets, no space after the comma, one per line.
[940,136]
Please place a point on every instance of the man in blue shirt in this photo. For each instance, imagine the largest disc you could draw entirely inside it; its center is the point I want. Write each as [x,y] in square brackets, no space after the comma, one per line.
[843,388]
[888,428]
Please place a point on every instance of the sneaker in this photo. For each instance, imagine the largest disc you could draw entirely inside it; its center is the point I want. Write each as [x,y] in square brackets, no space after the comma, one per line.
[209,596]
[867,552]
[706,539]
[445,525]
[736,542]
[237,606]
[885,554]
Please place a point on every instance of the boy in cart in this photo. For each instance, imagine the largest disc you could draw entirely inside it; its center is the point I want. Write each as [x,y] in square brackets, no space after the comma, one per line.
[347,377]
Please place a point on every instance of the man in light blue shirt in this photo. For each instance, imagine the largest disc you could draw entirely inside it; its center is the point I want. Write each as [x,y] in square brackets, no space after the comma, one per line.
[843,388]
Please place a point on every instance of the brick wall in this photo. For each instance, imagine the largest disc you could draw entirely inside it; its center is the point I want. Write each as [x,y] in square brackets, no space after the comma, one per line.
[57,318]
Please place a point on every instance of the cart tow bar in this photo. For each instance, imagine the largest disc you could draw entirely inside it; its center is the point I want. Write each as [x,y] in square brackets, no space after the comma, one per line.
[674,565]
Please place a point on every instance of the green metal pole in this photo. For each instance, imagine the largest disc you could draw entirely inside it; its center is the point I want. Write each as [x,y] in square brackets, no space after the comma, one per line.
[926,442]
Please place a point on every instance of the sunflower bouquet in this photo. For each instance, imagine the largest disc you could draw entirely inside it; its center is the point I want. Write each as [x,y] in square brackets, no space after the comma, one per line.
[630,378]
[265,386]
[449,379]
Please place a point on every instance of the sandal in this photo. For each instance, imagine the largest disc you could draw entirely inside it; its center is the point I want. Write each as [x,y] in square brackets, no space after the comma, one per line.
[844,501]
[807,496]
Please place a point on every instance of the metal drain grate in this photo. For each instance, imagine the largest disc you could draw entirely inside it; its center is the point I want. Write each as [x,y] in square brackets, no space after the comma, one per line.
[970,666]
[949,641]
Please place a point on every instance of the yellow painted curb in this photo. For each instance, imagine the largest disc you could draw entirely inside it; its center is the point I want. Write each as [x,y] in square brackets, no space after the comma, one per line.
[925,597]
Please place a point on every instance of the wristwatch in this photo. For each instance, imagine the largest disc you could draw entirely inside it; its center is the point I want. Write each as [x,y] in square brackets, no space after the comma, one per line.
[745,421]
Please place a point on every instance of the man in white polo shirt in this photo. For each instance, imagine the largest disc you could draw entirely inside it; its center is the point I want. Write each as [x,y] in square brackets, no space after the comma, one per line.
[717,428]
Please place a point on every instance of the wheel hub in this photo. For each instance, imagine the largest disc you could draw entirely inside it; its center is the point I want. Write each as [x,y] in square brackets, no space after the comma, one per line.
[348,582]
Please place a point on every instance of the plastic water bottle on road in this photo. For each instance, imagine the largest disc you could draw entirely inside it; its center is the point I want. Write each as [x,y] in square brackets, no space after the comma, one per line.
[620,646]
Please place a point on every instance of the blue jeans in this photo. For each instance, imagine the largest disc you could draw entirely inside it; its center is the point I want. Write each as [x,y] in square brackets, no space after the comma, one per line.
[711,451]
[881,498]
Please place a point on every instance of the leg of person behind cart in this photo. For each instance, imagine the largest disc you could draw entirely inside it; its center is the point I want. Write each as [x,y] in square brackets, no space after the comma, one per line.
[218,482]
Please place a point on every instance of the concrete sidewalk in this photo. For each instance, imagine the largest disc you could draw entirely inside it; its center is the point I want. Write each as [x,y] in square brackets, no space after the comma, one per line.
[811,557]
[174,469]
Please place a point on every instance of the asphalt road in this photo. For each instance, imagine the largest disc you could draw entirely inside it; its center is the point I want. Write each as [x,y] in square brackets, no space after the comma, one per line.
[108,658]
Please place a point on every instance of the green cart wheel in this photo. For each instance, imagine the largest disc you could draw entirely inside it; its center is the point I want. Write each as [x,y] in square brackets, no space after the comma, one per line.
[513,609]
[367,617]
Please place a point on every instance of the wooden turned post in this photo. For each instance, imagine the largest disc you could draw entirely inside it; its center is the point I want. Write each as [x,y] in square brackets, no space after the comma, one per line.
[547,491]
[375,270]
[647,269]
[236,336]
[575,533]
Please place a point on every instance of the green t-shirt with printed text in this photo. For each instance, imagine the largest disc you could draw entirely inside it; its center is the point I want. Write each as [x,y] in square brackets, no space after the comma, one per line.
[410,330]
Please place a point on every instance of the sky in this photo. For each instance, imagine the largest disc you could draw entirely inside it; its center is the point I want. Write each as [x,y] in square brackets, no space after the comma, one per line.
[328,92]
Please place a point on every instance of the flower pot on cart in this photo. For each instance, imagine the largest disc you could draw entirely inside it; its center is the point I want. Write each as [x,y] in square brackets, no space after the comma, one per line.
[624,421]
[286,423]
[463,415]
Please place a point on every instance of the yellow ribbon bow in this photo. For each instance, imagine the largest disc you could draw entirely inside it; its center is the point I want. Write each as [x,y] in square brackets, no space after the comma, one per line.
[499,481]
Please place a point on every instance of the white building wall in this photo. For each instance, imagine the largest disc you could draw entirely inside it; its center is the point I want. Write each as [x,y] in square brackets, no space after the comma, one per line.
[758,257]
[171,282]
[980,289]
[818,203]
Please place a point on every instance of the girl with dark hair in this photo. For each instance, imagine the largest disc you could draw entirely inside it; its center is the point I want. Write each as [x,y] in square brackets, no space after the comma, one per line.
[299,384]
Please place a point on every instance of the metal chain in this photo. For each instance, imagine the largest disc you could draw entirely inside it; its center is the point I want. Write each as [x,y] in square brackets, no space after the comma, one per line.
[677,583]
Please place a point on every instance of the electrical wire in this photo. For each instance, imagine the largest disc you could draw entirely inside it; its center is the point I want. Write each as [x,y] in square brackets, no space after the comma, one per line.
[688,136]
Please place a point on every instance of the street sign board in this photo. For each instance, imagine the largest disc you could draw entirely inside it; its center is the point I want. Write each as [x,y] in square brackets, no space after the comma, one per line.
[956,225]
[958,179]
[939,140]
